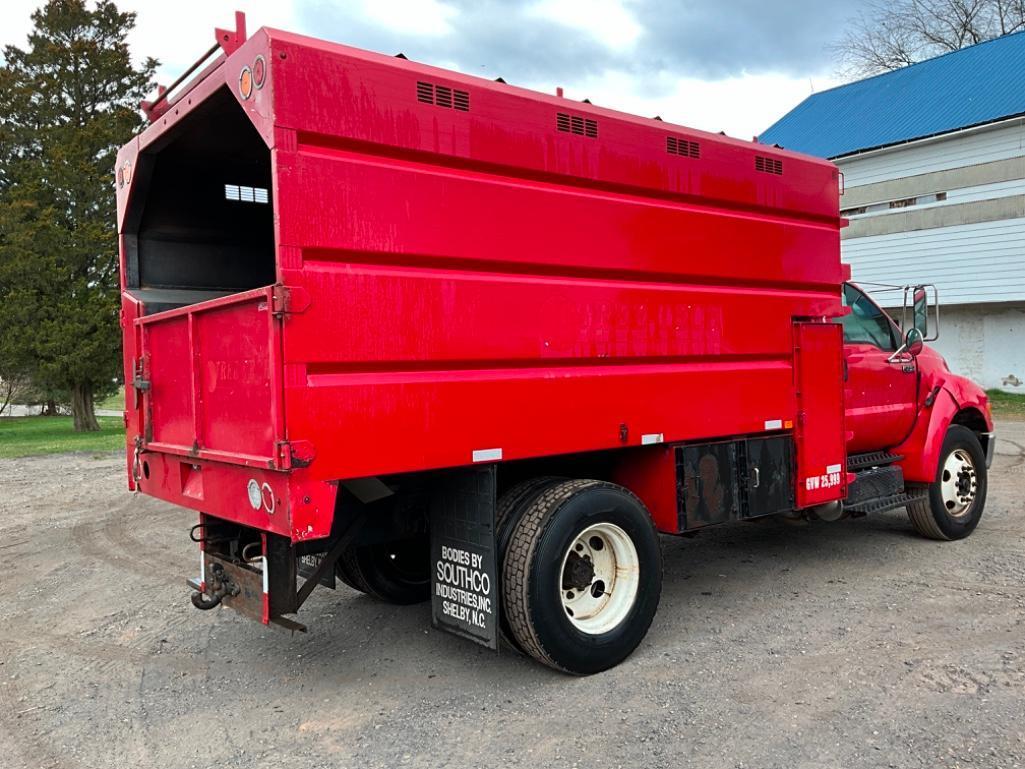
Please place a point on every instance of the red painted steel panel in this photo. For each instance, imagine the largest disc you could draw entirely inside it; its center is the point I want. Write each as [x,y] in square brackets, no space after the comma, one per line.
[819,432]
[131,309]
[650,473]
[423,212]
[292,504]
[396,317]
[354,96]
[213,378]
[384,422]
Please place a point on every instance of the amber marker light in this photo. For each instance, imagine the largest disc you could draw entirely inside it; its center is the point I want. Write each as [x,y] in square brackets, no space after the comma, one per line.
[245,82]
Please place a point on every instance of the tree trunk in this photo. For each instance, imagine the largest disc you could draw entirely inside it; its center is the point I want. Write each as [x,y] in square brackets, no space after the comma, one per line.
[82,409]
[7,394]
[50,409]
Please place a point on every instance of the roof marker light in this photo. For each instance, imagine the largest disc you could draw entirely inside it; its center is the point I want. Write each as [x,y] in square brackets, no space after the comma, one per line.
[245,83]
[259,71]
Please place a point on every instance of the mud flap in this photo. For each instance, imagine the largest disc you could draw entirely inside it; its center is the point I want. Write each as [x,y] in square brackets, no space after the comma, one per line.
[464,565]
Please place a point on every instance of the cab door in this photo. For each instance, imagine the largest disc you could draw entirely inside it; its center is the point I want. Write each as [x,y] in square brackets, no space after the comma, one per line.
[882,396]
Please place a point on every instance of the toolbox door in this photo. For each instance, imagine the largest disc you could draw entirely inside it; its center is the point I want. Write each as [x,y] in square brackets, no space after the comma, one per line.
[819,434]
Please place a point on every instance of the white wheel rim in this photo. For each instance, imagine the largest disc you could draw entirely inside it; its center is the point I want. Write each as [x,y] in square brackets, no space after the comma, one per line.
[607,599]
[958,483]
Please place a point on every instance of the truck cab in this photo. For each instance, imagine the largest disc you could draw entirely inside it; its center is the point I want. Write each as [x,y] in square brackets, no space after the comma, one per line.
[928,430]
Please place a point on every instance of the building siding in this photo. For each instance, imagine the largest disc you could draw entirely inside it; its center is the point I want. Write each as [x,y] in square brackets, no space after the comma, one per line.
[969,263]
[984,343]
[937,216]
[999,142]
[1009,172]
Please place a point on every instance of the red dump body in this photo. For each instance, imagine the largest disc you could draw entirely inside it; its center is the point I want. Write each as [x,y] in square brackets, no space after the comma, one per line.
[449,271]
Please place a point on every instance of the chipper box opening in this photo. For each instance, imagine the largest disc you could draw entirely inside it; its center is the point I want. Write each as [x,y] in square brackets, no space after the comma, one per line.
[444,339]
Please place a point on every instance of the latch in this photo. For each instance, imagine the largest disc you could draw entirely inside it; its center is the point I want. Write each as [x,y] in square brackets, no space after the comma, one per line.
[294,454]
[288,299]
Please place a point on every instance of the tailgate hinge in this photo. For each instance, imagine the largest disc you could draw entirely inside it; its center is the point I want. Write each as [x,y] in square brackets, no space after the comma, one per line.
[294,454]
[139,381]
[289,299]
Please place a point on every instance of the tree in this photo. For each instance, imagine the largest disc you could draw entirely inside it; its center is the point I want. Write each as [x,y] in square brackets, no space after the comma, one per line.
[67,102]
[891,35]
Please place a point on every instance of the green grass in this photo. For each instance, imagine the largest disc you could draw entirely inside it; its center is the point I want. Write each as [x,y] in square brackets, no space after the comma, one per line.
[1007,405]
[115,402]
[32,436]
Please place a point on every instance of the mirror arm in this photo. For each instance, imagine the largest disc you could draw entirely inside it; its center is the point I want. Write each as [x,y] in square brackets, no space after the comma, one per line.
[898,354]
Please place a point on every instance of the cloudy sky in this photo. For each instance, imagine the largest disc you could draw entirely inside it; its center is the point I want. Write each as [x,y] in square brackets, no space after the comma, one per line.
[730,65]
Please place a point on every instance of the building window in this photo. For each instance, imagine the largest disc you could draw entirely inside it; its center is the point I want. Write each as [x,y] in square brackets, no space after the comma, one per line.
[903,203]
[892,205]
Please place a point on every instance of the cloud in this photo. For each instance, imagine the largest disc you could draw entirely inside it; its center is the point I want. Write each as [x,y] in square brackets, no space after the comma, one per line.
[563,40]
[724,39]
[491,38]
[735,65]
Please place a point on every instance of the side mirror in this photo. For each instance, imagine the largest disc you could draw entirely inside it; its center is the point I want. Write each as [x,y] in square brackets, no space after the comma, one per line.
[920,311]
[918,317]
[914,340]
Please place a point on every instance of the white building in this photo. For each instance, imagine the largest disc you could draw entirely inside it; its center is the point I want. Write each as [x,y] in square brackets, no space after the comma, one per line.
[933,163]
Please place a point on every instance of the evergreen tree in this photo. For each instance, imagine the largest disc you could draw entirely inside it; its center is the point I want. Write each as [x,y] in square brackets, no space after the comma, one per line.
[67,102]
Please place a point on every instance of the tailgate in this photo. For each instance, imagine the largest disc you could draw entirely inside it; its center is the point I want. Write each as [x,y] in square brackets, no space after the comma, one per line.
[212,379]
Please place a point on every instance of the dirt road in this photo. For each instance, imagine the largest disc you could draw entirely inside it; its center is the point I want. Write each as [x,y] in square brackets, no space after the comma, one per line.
[853,644]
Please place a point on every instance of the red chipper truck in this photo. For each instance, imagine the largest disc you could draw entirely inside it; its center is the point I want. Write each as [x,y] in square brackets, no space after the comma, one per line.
[442,338]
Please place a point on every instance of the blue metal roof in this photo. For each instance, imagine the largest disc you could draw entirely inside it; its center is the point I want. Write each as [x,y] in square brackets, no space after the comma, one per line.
[976,85]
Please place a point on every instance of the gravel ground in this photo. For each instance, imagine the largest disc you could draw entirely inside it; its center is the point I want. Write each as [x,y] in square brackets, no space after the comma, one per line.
[853,644]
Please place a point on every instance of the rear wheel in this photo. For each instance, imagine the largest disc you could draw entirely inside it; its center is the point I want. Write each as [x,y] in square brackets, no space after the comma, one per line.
[507,513]
[956,498]
[581,576]
[394,572]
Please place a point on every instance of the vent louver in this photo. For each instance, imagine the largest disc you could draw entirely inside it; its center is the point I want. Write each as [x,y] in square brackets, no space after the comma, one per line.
[682,147]
[769,165]
[576,124]
[442,96]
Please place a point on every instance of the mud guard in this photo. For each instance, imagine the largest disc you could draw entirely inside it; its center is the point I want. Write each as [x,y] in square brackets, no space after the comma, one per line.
[464,564]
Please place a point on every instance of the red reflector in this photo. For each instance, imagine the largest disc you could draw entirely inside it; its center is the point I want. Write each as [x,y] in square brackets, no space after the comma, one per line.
[259,71]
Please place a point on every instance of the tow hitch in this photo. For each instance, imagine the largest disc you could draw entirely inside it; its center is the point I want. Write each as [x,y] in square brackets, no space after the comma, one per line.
[263,575]
[218,586]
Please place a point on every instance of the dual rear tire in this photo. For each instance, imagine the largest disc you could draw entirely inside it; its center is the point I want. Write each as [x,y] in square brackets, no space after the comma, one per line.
[580,568]
[395,572]
[581,572]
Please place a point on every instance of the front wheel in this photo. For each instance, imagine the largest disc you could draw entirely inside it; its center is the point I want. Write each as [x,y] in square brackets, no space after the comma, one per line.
[581,576]
[956,498]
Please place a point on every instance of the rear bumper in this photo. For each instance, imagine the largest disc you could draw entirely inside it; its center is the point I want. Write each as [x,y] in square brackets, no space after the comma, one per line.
[288,503]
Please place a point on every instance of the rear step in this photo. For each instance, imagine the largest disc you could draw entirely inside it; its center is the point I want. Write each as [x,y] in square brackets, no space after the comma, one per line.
[871,459]
[878,489]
